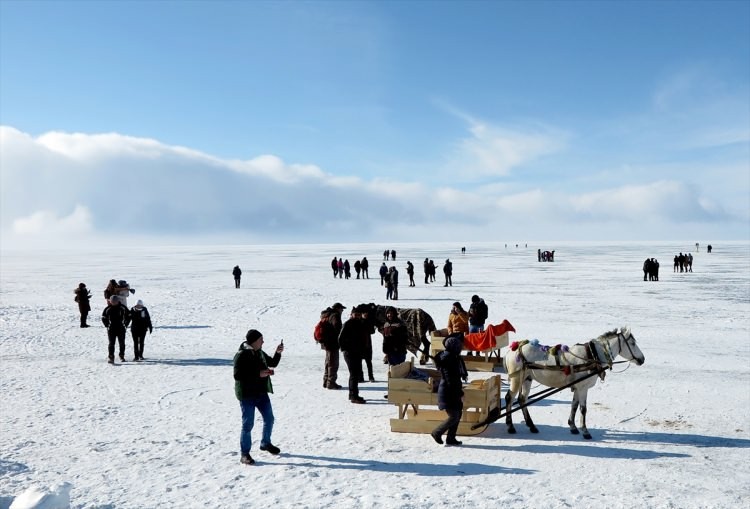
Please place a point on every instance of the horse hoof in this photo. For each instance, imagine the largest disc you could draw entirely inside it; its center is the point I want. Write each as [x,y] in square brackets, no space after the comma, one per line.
[587,436]
[533,429]
[574,431]
[512,431]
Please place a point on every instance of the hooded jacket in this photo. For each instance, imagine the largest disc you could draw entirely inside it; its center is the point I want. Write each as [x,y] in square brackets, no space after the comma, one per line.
[452,371]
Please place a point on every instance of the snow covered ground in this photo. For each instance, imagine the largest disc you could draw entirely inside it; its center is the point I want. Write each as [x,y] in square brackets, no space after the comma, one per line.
[674,432]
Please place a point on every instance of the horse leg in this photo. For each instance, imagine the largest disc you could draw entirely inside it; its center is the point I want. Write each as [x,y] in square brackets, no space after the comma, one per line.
[584,429]
[508,416]
[522,401]
[573,410]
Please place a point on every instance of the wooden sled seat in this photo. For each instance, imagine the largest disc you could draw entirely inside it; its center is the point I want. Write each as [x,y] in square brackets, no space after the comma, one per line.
[487,343]
[412,396]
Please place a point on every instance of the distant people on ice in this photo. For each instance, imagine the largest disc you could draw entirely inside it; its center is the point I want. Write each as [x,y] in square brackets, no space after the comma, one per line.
[82,297]
[253,369]
[120,288]
[709,248]
[651,269]
[383,273]
[347,269]
[545,256]
[410,272]
[140,322]
[683,262]
[357,267]
[433,271]
[237,273]
[391,282]
[448,272]
[116,318]
[426,268]
[365,266]
[335,266]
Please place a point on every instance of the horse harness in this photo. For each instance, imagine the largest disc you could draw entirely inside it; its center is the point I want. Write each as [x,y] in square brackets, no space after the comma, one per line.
[593,362]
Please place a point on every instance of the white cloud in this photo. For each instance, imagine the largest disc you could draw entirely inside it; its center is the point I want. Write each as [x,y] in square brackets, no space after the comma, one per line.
[112,185]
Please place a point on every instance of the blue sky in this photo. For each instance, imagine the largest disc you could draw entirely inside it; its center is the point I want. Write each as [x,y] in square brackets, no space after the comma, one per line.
[372,120]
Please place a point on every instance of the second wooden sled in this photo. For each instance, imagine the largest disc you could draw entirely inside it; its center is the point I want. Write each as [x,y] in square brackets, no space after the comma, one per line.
[411,396]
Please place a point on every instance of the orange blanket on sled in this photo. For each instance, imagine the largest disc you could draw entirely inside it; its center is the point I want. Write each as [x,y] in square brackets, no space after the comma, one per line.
[486,340]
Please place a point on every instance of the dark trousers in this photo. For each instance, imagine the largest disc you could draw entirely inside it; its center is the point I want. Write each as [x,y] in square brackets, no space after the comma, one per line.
[118,335]
[448,280]
[354,363]
[84,316]
[451,423]
[138,338]
[368,363]
[331,370]
[236,282]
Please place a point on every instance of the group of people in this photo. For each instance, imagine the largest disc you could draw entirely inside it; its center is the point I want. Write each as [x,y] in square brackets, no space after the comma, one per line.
[353,339]
[683,262]
[389,254]
[545,256]
[651,269]
[342,269]
[116,317]
[389,279]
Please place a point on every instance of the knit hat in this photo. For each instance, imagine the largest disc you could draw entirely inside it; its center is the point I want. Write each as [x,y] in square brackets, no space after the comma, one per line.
[454,343]
[114,299]
[252,336]
[338,305]
[139,304]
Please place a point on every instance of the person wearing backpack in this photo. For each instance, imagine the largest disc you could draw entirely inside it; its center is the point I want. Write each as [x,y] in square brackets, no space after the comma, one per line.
[327,335]
[116,319]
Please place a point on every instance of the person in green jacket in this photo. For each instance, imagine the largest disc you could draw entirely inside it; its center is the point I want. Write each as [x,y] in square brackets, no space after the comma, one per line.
[252,385]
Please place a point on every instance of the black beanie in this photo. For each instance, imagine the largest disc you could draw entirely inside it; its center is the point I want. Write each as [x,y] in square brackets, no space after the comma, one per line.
[252,335]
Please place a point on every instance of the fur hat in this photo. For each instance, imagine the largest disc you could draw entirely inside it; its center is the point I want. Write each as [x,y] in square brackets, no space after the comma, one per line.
[252,336]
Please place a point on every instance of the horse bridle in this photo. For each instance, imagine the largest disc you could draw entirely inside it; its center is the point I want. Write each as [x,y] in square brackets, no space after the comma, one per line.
[621,337]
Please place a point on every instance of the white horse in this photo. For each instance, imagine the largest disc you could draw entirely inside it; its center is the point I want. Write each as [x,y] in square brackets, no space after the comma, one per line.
[559,366]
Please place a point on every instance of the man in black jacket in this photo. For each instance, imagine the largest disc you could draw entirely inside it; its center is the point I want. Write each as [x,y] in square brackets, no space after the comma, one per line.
[83,295]
[352,341]
[116,318]
[252,384]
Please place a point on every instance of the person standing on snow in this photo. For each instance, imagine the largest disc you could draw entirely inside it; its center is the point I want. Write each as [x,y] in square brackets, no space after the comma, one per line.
[83,296]
[140,322]
[252,384]
[116,319]
[237,273]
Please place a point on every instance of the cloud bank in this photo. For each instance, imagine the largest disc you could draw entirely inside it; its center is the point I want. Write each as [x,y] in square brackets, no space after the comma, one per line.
[110,184]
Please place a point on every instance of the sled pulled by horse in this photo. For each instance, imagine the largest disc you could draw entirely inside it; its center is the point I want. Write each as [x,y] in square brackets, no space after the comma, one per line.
[560,367]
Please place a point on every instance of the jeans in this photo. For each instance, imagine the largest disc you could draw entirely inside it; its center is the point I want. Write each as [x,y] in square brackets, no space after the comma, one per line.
[119,336]
[248,406]
[476,328]
[451,423]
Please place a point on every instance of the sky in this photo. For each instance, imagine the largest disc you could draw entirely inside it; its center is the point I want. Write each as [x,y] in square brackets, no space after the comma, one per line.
[372,121]
[673,432]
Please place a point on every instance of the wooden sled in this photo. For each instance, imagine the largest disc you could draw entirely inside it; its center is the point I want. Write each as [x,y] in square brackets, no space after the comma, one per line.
[412,396]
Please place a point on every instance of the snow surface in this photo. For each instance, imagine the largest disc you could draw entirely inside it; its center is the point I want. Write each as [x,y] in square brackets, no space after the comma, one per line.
[674,432]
